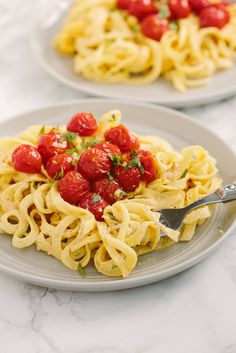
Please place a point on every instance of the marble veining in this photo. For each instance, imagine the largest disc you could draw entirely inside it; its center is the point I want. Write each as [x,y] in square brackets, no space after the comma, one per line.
[193,312]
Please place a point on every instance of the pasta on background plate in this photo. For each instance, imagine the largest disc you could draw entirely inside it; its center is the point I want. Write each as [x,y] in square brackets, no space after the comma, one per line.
[143,40]
[86,191]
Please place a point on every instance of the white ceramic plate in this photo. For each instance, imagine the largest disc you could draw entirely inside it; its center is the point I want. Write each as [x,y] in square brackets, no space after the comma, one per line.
[46,24]
[41,269]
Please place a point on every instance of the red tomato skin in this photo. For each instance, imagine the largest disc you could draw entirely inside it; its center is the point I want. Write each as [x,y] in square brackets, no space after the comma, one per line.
[96,208]
[27,159]
[179,8]
[52,143]
[154,27]
[128,178]
[107,188]
[59,162]
[123,4]
[198,5]
[108,148]
[147,161]
[121,137]
[94,163]
[142,8]
[82,123]
[72,187]
[214,16]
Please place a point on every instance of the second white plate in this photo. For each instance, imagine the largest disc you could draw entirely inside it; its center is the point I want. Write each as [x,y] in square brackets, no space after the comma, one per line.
[47,22]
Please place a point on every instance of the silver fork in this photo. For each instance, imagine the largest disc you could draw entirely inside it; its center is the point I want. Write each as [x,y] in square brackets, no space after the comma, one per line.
[174,217]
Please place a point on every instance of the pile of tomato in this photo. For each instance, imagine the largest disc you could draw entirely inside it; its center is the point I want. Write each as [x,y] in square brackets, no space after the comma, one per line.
[156,16]
[92,178]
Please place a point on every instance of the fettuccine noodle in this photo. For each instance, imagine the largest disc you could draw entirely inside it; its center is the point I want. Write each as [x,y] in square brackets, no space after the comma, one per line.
[108,46]
[33,212]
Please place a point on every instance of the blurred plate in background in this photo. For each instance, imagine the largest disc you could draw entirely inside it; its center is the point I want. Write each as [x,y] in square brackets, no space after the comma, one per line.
[47,22]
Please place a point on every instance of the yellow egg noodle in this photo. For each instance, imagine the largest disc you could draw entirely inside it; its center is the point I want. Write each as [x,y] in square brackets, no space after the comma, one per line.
[108,46]
[33,212]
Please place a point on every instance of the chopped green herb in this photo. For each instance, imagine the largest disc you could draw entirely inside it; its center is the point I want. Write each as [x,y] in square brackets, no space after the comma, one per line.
[42,130]
[119,193]
[133,153]
[135,162]
[164,12]
[59,175]
[124,164]
[112,118]
[114,266]
[90,143]
[116,159]
[95,198]
[70,136]
[75,160]
[174,25]
[110,177]
[71,151]
[81,271]
[184,174]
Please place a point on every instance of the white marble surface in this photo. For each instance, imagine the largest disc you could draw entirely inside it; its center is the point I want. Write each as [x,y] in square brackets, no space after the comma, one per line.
[194,312]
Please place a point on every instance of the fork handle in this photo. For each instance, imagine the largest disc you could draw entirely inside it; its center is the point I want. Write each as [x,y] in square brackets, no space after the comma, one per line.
[222,195]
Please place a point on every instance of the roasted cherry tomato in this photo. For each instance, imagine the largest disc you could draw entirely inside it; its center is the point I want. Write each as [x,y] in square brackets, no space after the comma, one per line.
[95,204]
[109,189]
[94,163]
[121,137]
[26,159]
[108,148]
[198,5]
[129,178]
[72,187]
[52,143]
[179,8]
[214,16]
[59,163]
[82,123]
[154,27]
[142,8]
[148,164]
[123,4]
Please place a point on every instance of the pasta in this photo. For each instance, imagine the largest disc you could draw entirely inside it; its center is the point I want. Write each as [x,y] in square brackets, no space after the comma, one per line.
[108,46]
[33,211]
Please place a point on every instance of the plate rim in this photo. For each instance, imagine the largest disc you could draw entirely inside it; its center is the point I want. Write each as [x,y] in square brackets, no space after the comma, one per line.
[37,50]
[117,283]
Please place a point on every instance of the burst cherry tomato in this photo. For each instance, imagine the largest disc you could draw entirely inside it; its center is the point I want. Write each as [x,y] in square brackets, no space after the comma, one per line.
[82,123]
[72,187]
[198,5]
[94,163]
[108,148]
[121,137]
[52,143]
[59,163]
[142,8]
[214,16]
[129,178]
[154,27]
[110,190]
[95,204]
[148,164]
[123,4]
[179,8]
[26,159]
